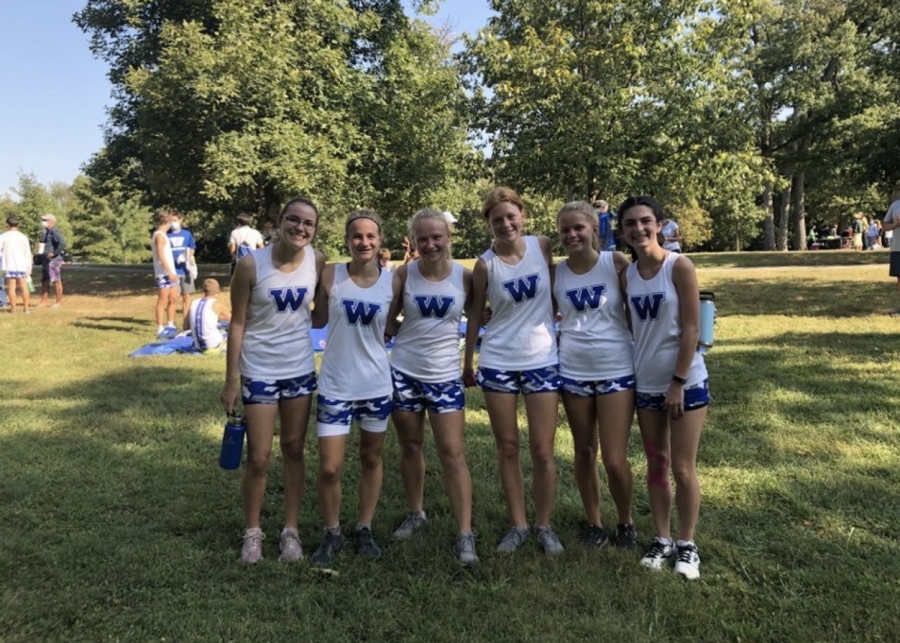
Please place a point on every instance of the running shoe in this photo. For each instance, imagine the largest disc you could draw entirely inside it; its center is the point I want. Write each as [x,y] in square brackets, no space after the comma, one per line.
[549,541]
[513,540]
[465,549]
[594,537]
[251,550]
[687,561]
[626,536]
[366,545]
[291,548]
[658,554]
[326,550]
[413,523]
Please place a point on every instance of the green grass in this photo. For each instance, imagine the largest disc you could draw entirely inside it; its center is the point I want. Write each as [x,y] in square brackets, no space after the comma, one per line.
[116,523]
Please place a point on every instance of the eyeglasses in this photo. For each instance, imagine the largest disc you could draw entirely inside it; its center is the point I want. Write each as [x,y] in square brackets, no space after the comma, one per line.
[297,222]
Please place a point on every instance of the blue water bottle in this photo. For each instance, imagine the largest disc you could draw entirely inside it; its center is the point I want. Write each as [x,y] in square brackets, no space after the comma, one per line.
[232,442]
[707,319]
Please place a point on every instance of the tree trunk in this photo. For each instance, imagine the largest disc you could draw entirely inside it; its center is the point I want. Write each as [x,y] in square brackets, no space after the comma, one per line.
[769,221]
[799,198]
[784,212]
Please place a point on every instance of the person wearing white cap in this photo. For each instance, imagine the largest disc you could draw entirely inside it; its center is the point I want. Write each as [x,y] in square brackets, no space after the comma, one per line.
[50,247]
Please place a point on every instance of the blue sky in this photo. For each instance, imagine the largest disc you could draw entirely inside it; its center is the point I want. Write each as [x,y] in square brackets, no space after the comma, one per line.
[55,93]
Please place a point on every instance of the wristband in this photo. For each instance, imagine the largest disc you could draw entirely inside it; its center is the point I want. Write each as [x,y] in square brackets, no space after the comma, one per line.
[679,380]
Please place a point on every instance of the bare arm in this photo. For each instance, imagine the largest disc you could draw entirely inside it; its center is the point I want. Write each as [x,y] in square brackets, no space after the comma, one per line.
[546,248]
[623,285]
[241,287]
[477,299]
[320,303]
[684,277]
[222,311]
[399,283]
[161,241]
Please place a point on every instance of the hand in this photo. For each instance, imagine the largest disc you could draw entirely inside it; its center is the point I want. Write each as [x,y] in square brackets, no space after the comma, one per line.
[229,396]
[172,276]
[468,377]
[675,400]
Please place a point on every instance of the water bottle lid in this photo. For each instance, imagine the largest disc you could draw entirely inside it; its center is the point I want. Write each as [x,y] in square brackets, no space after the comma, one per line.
[707,295]
[236,419]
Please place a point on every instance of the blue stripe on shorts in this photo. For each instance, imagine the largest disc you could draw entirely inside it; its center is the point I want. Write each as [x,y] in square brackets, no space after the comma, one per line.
[696,396]
[345,412]
[413,395]
[535,380]
[593,388]
[255,391]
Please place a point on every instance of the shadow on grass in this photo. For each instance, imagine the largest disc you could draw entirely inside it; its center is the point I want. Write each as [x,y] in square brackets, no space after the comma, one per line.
[121,324]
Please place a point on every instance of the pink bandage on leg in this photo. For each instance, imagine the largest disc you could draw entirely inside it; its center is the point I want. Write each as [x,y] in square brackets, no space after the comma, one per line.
[661,477]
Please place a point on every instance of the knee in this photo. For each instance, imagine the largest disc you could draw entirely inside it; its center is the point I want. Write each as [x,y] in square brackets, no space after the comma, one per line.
[508,449]
[329,473]
[453,459]
[411,449]
[258,463]
[292,450]
[370,460]
[684,473]
[618,469]
[585,455]
[542,456]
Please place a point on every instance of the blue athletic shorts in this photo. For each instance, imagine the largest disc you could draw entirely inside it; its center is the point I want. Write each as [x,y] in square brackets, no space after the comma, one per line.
[255,391]
[16,274]
[535,380]
[163,281]
[597,387]
[413,395]
[334,417]
[696,396]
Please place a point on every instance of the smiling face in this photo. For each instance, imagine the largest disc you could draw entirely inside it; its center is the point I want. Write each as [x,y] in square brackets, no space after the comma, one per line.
[576,231]
[363,239]
[432,239]
[640,227]
[297,225]
[506,221]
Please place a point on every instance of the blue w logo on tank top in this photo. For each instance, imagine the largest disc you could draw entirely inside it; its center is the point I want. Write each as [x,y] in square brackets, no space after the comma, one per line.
[360,311]
[434,305]
[647,306]
[522,288]
[587,297]
[287,297]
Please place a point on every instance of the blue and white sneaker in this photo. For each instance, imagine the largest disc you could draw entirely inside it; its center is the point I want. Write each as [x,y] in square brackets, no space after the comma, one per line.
[687,561]
[658,554]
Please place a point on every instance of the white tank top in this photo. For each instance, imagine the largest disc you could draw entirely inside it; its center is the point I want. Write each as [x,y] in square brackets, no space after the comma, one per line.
[594,340]
[355,365]
[277,344]
[656,322]
[205,324]
[158,269]
[427,347]
[520,335]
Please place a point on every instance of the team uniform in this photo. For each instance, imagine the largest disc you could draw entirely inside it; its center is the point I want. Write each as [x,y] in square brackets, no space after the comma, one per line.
[596,352]
[656,323]
[181,241]
[15,255]
[425,364]
[518,350]
[159,271]
[204,322]
[355,378]
[669,230]
[276,361]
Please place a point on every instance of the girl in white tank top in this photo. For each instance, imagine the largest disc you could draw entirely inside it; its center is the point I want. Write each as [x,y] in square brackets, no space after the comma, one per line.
[596,366]
[427,376]
[270,348]
[355,300]
[518,354]
[673,393]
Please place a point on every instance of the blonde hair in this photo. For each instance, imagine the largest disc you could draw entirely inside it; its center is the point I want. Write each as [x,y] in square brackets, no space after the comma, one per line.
[210,287]
[501,195]
[585,209]
[434,215]
[371,215]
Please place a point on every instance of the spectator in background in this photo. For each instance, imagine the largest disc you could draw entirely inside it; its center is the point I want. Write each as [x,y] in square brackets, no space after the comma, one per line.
[165,276]
[874,235]
[891,221]
[607,233]
[243,240]
[203,320]
[269,232]
[384,260]
[51,247]
[671,235]
[15,252]
[857,228]
[183,248]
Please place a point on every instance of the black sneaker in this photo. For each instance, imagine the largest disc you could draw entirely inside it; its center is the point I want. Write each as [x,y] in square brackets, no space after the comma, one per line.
[594,537]
[326,550]
[626,536]
[366,545]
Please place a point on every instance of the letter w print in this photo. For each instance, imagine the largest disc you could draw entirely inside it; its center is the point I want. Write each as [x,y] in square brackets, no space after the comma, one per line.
[285,298]
[522,288]
[586,297]
[360,312]
[434,305]
[647,306]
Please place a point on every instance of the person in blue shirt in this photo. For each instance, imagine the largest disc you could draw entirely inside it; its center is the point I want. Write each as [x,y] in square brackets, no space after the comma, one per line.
[606,231]
[183,248]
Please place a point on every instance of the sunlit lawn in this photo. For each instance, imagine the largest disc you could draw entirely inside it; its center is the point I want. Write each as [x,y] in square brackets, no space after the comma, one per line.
[116,524]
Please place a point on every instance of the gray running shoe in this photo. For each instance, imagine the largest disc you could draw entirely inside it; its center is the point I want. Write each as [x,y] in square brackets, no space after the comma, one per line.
[251,550]
[291,548]
[411,524]
[366,545]
[465,549]
[594,537]
[326,550]
[549,541]
[513,540]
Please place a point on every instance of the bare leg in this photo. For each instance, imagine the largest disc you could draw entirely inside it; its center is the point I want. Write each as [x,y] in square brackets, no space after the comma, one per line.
[655,433]
[26,296]
[294,421]
[685,442]
[11,291]
[541,409]
[582,416]
[59,291]
[328,482]
[260,427]
[161,301]
[45,291]
[371,473]
[449,430]
[501,408]
[411,432]
[616,411]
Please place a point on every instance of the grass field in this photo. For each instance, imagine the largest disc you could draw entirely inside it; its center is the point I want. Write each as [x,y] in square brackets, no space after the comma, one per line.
[117,525]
